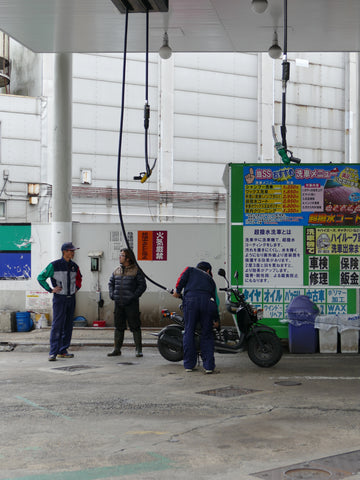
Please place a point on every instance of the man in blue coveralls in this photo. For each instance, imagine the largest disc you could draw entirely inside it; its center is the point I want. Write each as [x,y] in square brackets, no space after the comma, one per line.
[65,279]
[199,305]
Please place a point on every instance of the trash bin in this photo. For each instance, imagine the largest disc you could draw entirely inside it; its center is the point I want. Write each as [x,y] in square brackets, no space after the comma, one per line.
[349,340]
[303,336]
[327,325]
[348,326]
[24,322]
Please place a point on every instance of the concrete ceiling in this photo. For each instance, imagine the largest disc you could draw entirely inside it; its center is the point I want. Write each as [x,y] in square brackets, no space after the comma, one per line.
[192,25]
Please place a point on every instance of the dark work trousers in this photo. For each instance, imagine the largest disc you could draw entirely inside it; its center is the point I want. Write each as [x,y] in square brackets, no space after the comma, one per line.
[127,314]
[198,309]
[62,324]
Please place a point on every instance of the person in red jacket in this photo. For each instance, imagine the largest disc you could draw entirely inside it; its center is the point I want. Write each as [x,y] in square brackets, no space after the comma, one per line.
[200,307]
[65,280]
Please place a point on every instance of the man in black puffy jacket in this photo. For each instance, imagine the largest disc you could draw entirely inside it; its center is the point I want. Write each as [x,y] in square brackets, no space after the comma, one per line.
[126,285]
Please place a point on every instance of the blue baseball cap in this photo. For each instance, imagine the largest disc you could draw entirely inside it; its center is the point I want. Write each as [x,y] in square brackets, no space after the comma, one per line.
[68,246]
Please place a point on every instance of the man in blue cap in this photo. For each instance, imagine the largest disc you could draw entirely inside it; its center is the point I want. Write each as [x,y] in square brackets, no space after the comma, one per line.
[65,278]
[199,305]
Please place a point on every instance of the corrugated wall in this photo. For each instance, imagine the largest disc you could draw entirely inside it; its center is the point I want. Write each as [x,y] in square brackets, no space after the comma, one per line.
[211,109]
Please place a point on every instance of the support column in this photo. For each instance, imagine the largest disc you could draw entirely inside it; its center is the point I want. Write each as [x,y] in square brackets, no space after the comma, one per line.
[62,171]
[266,108]
[352,71]
[166,129]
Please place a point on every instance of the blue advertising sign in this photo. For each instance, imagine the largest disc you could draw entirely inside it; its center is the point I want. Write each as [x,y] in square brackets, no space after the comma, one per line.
[15,265]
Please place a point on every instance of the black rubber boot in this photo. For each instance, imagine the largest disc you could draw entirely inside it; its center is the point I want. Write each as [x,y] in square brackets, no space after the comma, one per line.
[138,344]
[118,341]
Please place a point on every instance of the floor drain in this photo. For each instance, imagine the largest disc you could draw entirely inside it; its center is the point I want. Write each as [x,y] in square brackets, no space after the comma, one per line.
[227,392]
[287,383]
[335,467]
[75,368]
[307,474]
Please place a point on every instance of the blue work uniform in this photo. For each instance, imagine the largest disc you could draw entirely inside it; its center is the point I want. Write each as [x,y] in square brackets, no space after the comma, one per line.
[199,305]
[66,275]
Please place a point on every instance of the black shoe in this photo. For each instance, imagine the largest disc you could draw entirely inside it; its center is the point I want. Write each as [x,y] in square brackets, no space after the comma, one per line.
[52,358]
[139,354]
[65,355]
[114,353]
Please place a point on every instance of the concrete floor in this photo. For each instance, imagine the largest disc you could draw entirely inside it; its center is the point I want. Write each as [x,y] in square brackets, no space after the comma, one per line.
[95,417]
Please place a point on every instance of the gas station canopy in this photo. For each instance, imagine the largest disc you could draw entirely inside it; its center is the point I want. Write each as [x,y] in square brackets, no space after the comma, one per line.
[192,25]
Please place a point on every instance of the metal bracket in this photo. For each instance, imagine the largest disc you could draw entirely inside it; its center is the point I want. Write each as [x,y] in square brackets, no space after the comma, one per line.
[141,6]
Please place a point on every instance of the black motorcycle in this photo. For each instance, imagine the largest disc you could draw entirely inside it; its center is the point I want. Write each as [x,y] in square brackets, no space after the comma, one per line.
[261,342]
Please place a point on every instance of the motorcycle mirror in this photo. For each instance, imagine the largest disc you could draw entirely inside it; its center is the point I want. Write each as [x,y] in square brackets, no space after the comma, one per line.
[221,272]
[236,275]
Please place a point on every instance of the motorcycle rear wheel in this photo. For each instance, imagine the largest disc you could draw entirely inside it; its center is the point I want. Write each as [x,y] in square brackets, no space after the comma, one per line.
[266,352]
[171,353]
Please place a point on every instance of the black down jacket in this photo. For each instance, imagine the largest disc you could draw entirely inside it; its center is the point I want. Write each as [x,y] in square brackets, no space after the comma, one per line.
[126,284]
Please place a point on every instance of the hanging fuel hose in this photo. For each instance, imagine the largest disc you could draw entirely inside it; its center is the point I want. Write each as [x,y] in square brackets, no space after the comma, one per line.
[143,176]
[122,110]
[281,147]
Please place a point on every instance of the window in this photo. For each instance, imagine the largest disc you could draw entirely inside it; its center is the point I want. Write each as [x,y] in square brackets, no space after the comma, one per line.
[2,208]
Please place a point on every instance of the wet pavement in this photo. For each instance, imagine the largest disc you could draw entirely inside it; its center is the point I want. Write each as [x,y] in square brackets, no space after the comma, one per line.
[99,417]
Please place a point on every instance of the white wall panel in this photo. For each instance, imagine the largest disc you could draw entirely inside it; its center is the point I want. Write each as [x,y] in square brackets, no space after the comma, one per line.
[216,106]
[320,58]
[189,149]
[95,92]
[215,128]
[314,95]
[215,83]
[108,119]
[106,142]
[21,173]
[196,174]
[20,126]
[238,63]
[317,155]
[109,67]
[317,138]
[16,104]
[308,116]
[317,73]
[20,152]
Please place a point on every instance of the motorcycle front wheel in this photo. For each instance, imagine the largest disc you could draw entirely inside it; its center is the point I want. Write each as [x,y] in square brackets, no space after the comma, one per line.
[264,349]
[170,344]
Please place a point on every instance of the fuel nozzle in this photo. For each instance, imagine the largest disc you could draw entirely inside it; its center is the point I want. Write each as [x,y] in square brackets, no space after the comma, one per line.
[286,155]
[282,152]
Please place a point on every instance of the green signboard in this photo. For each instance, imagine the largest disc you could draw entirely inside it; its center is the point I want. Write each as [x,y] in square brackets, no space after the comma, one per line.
[295,231]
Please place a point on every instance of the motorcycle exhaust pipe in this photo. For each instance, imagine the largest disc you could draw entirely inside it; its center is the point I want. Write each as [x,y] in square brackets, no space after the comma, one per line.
[171,341]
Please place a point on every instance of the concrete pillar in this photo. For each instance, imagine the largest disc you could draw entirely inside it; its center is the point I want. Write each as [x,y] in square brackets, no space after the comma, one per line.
[266,108]
[352,71]
[62,172]
[166,129]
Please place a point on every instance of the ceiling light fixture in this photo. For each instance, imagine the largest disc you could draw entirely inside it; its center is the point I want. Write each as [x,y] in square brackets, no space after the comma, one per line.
[259,6]
[275,50]
[165,51]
